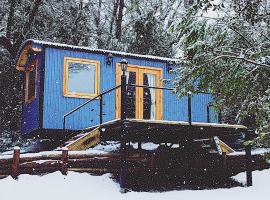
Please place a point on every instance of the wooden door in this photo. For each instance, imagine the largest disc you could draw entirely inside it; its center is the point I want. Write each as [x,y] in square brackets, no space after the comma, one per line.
[142,103]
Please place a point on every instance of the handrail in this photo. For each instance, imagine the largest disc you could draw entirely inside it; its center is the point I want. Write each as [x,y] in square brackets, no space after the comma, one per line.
[153,87]
[163,88]
[85,103]
[133,85]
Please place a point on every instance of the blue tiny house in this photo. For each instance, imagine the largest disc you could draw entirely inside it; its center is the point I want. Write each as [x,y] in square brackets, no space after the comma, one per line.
[60,77]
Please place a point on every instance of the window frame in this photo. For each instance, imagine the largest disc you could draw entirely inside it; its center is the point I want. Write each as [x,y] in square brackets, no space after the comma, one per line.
[67,93]
[33,67]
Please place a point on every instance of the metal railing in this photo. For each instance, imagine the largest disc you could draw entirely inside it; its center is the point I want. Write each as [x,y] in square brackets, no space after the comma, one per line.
[125,98]
[189,104]
[100,97]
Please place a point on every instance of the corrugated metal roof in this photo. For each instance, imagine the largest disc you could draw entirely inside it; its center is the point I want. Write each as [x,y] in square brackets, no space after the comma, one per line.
[102,51]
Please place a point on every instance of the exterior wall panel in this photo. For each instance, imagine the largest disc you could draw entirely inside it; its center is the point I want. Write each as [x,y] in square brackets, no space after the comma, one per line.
[30,111]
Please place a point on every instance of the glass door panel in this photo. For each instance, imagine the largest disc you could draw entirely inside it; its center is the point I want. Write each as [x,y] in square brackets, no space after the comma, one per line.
[149,96]
[131,95]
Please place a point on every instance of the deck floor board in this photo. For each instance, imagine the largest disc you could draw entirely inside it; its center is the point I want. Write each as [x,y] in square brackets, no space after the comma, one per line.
[166,131]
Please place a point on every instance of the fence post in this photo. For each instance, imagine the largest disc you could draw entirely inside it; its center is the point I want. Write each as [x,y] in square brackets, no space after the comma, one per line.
[64,159]
[16,162]
[248,158]
[123,147]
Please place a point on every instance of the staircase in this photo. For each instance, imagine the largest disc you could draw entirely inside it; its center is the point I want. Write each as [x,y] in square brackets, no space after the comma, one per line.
[84,141]
[214,145]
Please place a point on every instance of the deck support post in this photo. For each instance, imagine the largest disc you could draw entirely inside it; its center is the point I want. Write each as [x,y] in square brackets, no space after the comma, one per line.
[248,136]
[224,161]
[123,148]
[140,145]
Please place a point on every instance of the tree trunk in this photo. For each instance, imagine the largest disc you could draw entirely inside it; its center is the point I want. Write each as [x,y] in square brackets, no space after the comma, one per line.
[119,19]
[113,17]
[10,18]
[97,23]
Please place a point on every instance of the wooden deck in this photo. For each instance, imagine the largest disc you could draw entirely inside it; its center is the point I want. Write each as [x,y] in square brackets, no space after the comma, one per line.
[139,130]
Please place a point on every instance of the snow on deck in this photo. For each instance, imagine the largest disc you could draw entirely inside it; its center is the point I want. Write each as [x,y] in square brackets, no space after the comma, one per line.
[84,186]
[257,151]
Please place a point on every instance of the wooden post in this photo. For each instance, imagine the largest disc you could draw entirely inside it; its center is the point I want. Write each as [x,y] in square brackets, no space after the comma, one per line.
[123,148]
[152,160]
[64,159]
[189,108]
[219,116]
[208,113]
[140,145]
[224,161]
[100,110]
[16,162]
[248,158]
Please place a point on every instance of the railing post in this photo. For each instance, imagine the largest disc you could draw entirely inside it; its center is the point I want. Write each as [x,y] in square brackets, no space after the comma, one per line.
[248,136]
[219,115]
[64,123]
[189,108]
[123,147]
[219,110]
[16,162]
[100,110]
[208,113]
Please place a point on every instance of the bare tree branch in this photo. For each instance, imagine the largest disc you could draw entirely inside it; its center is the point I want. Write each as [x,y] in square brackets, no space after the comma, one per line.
[239,58]
[236,31]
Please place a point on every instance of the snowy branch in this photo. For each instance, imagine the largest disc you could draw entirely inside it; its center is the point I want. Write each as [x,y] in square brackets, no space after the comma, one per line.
[240,58]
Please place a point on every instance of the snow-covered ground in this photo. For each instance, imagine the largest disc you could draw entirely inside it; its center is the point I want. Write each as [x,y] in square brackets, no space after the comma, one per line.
[79,186]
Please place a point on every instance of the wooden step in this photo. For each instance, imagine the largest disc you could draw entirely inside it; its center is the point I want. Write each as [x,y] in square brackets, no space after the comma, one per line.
[85,141]
[206,146]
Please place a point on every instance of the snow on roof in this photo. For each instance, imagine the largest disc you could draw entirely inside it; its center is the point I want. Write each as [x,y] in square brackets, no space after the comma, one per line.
[102,51]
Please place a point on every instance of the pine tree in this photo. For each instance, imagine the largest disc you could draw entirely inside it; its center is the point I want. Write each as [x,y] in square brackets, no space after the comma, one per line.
[228,53]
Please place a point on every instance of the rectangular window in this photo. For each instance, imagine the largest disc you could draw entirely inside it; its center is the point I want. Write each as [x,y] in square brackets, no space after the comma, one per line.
[31,82]
[81,78]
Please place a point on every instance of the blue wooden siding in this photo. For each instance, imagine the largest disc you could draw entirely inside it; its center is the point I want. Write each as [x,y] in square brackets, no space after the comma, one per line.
[30,111]
[56,105]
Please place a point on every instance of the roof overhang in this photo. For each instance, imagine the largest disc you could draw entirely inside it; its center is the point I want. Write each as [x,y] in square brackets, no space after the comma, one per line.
[25,56]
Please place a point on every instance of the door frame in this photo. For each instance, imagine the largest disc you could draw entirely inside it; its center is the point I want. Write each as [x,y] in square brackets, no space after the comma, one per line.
[140,70]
